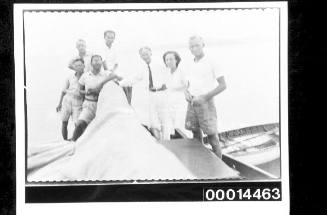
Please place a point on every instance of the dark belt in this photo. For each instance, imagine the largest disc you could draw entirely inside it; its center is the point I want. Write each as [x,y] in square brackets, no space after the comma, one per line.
[155,91]
[74,96]
[91,100]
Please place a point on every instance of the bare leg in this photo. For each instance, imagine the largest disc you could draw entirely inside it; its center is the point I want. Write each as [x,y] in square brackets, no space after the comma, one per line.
[79,129]
[214,142]
[197,134]
[156,133]
[64,130]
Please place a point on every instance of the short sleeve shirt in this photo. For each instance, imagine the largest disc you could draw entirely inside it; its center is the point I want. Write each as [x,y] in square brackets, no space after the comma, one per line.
[86,59]
[175,80]
[73,88]
[90,80]
[202,76]
[110,56]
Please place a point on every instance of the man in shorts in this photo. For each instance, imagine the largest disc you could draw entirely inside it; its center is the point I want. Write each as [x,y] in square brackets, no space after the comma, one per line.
[71,99]
[204,82]
[89,85]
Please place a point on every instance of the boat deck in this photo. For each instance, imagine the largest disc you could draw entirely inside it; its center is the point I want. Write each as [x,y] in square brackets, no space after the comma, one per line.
[204,164]
[201,161]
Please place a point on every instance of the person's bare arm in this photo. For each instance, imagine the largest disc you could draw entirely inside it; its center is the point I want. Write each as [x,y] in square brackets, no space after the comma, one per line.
[112,76]
[220,88]
[104,64]
[96,89]
[155,89]
[63,92]
[81,89]
[203,98]
[70,64]
[58,108]
[187,93]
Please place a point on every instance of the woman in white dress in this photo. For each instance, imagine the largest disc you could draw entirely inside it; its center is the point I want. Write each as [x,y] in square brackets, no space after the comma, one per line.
[176,86]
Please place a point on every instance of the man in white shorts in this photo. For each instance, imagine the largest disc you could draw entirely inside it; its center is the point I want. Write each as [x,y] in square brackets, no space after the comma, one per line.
[71,99]
[204,82]
[82,54]
[89,85]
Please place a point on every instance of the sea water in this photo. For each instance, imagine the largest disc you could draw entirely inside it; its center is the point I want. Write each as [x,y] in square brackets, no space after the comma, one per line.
[244,44]
[251,97]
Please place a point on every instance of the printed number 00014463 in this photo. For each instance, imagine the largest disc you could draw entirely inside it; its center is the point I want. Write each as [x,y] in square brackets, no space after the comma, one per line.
[265,194]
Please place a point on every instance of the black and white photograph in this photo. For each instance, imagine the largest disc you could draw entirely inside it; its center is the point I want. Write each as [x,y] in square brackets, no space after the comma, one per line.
[152,94]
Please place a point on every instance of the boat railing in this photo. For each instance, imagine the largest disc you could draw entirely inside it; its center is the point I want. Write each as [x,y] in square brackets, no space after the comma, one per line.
[247,171]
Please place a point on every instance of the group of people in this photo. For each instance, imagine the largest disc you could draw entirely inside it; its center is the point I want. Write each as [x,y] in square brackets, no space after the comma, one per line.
[156,94]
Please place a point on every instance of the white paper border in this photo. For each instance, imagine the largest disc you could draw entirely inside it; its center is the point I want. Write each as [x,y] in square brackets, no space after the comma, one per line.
[279,207]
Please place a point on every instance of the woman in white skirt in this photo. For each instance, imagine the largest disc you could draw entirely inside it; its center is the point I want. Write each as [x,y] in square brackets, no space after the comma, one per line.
[176,86]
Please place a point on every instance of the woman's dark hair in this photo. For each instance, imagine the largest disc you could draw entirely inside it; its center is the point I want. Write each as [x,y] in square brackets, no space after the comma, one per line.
[96,55]
[177,57]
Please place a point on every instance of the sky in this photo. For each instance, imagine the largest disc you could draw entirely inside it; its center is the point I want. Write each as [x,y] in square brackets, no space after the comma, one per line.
[245,44]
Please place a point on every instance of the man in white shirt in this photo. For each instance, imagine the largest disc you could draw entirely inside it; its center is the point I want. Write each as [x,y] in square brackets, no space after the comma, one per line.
[82,54]
[204,83]
[109,54]
[90,84]
[149,94]
[111,58]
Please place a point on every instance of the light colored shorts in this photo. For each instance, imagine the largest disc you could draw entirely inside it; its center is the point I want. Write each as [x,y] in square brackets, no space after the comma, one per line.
[88,111]
[203,116]
[71,106]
